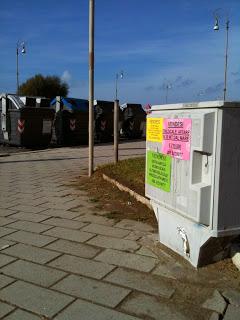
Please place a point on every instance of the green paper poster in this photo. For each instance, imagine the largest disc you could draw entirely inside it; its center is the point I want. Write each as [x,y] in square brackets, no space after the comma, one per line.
[159,170]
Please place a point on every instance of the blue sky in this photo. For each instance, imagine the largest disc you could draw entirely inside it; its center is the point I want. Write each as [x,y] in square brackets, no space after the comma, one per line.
[156,43]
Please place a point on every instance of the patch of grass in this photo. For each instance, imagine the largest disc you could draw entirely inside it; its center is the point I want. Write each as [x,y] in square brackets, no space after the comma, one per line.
[130,172]
[117,205]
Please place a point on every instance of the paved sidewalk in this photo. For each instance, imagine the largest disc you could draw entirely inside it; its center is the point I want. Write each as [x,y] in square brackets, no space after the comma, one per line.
[61,258]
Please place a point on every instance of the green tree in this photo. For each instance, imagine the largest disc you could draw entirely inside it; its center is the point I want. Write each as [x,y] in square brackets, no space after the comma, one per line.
[49,87]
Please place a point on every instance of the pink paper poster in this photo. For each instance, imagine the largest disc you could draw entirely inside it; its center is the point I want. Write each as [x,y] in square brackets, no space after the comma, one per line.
[177,138]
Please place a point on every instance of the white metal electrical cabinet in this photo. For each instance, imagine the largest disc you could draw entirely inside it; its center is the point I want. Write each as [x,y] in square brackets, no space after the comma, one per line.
[193,175]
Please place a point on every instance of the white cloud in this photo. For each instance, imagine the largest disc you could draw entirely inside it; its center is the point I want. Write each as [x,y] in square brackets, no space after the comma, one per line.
[66,76]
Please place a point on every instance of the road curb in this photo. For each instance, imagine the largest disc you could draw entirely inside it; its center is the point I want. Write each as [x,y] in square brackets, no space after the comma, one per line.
[235,254]
[134,194]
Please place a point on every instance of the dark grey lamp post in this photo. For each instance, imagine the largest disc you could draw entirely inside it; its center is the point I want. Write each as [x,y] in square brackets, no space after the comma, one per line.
[216,28]
[117,78]
[20,46]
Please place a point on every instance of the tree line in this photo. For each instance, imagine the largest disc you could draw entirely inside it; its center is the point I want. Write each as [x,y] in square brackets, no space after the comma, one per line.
[40,86]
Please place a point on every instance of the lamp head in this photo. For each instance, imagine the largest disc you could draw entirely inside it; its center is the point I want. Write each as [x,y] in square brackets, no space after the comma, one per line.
[216,26]
[121,75]
[23,49]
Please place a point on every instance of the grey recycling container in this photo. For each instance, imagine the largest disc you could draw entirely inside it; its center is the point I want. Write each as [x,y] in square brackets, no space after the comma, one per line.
[103,114]
[132,121]
[23,123]
[71,121]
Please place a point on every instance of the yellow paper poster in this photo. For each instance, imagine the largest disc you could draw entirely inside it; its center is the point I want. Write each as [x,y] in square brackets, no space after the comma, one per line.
[155,129]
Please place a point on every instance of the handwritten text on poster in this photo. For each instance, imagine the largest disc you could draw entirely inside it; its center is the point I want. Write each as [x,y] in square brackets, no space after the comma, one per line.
[177,138]
[159,170]
[154,129]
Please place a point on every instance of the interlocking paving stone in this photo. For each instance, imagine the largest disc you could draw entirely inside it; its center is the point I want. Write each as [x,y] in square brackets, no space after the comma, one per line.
[25,186]
[21,315]
[33,217]
[5,280]
[29,226]
[96,219]
[34,273]
[92,290]
[33,298]
[106,231]
[215,303]
[171,270]
[232,313]
[7,204]
[82,266]
[79,211]
[6,212]
[65,223]
[147,306]
[88,311]
[26,208]
[141,281]
[56,199]
[27,196]
[60,213]
[233,296]
[45,193]
[5,196]
[31,202]
[4,221]
[4,259]
[5,231]
[30,238]
[5,309]
[5,244]
[146,252]
[114,243]
[74,248]
[34,254]
[135,235]
[128,260]
[134,225]
[61,206]
[214,316]
[68,234]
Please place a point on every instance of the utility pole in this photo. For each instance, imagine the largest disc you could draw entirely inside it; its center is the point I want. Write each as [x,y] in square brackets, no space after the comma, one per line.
[117,77]
[116,133]
[226,62]
[91,87]
[216,28]
[20,45]
[168,86]
[17,71]
[116,119]
[167,93]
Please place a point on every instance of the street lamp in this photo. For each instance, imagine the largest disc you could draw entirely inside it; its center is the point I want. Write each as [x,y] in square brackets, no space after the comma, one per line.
[168,86]
[117,77]
[20,46]
[216,28]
